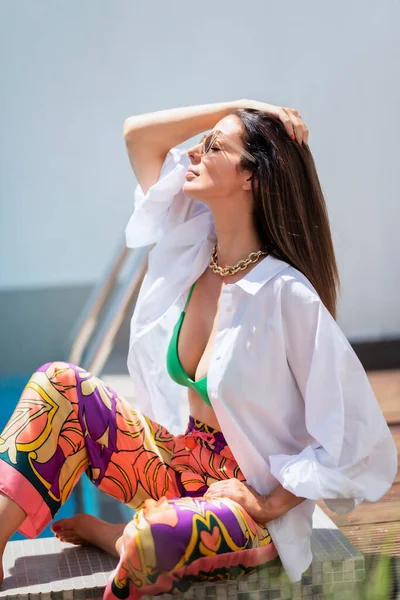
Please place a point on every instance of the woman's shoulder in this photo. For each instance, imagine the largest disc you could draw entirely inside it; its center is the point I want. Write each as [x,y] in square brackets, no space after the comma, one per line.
[290,281]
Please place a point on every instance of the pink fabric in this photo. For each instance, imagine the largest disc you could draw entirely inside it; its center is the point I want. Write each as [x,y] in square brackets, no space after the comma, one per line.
[208,437]
[21,491]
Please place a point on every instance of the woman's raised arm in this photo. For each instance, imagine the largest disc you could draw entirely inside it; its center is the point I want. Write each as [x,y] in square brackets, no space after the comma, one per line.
[148,137]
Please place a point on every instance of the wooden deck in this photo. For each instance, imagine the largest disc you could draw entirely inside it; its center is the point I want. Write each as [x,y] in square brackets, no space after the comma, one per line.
[374,528]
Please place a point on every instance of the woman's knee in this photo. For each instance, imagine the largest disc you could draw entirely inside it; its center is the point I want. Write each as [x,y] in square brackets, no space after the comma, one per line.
[61,375]
[57,364]
[59,369]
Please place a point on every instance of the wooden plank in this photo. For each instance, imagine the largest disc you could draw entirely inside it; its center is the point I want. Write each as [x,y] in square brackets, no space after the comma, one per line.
[365,513]
[395,431]
[386,387]
[375,538]
[385,510]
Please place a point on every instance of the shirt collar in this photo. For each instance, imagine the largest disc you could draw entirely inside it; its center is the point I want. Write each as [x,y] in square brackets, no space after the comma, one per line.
[265,269]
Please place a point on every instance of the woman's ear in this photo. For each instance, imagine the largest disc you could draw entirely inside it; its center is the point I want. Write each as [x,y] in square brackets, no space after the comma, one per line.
[247,183]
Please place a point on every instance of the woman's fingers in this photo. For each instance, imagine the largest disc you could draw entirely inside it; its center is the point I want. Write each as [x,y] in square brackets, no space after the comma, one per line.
[296,123]
[285,117]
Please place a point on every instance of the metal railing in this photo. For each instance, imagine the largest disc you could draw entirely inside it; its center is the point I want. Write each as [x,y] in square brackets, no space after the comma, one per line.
[94,334]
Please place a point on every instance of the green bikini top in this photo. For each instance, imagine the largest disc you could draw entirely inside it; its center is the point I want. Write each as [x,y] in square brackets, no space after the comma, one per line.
[174,366]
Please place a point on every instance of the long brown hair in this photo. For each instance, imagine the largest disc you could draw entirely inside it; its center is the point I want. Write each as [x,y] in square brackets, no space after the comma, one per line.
[290,213]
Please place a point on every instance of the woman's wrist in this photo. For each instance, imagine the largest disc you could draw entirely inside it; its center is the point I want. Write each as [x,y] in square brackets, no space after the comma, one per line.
[269,510]
[278,502]
[243,103]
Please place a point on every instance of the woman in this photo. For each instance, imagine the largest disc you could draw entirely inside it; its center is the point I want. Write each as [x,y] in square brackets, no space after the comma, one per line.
[238,309]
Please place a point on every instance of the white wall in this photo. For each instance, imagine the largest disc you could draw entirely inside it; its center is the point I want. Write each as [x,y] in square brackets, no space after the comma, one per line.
[71,72]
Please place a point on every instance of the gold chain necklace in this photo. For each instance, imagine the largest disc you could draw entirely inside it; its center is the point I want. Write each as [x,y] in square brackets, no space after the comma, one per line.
[242,264]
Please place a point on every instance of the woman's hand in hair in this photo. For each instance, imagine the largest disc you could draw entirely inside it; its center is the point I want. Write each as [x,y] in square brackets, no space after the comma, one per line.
[290,117]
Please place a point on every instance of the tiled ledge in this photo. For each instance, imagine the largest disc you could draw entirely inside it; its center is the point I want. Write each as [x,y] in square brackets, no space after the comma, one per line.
[46,569]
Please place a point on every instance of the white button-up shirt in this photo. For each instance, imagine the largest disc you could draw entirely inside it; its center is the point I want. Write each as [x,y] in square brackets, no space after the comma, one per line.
[292,398]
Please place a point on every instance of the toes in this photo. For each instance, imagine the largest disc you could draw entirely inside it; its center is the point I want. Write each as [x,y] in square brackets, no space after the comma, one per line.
[69,536]
[60,524]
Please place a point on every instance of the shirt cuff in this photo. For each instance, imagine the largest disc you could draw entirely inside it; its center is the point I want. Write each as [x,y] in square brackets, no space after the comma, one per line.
[344,487]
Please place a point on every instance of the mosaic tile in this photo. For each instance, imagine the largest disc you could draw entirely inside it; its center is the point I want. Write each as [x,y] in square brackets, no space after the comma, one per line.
[348,576]
[327,588]
[253,585]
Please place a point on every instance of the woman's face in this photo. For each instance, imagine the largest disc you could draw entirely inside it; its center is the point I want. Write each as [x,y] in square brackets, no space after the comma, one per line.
[216,173]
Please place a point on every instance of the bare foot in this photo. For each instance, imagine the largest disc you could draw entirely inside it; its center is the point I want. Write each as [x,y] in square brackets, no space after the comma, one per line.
[86,529]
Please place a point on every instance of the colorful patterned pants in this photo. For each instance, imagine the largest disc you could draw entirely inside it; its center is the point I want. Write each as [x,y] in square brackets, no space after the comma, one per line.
[68,422]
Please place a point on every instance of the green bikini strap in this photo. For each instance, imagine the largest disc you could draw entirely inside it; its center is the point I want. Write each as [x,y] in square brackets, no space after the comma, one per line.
[188,298]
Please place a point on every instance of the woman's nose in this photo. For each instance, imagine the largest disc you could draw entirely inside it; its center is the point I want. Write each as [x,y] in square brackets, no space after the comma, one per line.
[194,153]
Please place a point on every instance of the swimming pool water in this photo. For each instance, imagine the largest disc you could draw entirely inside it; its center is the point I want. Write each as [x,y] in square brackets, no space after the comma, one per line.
[11,388]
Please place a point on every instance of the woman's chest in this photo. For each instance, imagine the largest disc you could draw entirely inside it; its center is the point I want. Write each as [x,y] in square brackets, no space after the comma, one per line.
[199,328]
[223,321]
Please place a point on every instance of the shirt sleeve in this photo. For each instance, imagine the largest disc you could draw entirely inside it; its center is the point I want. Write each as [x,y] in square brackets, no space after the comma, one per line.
[165,206]
[353,456]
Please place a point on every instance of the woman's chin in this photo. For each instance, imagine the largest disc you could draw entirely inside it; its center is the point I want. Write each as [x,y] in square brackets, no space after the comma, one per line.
[188,186]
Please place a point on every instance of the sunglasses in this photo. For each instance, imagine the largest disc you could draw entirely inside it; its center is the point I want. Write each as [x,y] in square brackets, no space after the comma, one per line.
[209,139]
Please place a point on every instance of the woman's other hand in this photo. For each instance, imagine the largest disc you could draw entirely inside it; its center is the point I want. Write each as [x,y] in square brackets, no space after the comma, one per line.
[290,117]
[242,493]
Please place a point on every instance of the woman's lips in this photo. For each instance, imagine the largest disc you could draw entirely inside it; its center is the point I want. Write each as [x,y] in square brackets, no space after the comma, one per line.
[190,174]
